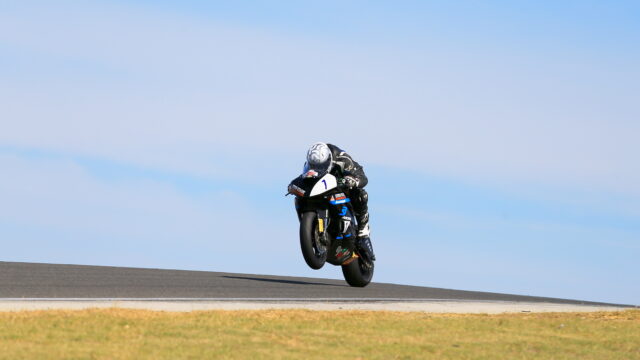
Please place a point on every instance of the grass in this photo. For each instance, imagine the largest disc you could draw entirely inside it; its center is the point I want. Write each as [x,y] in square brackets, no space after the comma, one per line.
[282,334]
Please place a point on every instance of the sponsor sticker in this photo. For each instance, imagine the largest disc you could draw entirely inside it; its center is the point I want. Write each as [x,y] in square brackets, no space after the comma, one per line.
[346,221]
[340,252]
[339,198]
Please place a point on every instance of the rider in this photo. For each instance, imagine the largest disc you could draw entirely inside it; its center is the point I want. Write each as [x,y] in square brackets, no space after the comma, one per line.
[341,165]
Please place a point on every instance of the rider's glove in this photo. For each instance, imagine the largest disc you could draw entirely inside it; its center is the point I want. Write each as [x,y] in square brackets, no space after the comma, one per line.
[350,182]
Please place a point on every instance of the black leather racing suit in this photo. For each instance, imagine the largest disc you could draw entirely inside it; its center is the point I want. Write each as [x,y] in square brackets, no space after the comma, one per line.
[344,165]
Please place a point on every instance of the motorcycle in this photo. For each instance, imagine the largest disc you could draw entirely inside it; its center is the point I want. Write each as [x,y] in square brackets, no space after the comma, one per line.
[328,226]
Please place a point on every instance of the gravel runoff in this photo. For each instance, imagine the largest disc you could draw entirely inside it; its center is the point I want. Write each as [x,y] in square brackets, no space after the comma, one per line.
[186,305]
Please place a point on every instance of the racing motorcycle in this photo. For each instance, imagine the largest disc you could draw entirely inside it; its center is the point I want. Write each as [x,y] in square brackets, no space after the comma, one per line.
[328,226]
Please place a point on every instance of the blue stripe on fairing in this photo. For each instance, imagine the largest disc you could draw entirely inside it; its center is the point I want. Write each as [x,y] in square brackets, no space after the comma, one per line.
[338,202]
[339,238]
[348,235]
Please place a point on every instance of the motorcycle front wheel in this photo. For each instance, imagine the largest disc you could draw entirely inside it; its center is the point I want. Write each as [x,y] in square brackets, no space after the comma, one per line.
[358,273]
[313,251]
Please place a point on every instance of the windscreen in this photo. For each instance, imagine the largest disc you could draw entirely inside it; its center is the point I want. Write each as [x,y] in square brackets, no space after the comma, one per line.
[320,169]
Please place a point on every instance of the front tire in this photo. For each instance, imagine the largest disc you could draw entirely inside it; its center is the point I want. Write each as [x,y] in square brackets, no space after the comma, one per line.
[358,273]
[313,251]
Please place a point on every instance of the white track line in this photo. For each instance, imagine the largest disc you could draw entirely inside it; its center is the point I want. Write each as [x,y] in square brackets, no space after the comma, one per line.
[377,304]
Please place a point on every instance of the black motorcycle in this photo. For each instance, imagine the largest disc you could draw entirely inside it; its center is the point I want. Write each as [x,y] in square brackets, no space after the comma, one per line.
[328,227]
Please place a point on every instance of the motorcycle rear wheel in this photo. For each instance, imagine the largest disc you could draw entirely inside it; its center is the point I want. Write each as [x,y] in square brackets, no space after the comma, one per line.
[314,252]
[358,273]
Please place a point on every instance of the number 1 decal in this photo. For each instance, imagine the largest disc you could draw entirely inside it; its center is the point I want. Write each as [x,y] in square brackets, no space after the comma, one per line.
[325,184]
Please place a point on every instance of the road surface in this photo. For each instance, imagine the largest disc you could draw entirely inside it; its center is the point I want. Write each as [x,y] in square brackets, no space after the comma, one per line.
[35,285]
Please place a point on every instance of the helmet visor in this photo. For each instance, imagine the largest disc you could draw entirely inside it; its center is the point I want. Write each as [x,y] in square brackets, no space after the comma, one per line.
[320,168]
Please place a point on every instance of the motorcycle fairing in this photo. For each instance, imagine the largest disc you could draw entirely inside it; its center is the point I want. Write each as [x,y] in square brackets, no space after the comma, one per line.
[344,232]
[318,192]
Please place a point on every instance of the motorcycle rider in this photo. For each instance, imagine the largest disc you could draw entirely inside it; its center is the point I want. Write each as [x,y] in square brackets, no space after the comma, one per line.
[352,176]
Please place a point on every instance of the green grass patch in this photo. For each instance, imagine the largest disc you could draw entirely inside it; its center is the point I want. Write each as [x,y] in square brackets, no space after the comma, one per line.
[278,334]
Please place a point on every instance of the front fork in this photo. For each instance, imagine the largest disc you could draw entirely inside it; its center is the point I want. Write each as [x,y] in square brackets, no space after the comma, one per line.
[323,225]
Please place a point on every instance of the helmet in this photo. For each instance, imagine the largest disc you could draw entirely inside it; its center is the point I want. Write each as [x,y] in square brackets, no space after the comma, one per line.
[319,157]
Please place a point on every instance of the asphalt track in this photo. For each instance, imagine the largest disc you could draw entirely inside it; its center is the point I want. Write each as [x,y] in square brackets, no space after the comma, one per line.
[54,281]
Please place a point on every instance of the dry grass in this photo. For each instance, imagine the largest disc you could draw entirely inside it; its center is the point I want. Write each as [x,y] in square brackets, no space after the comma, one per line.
[274,334]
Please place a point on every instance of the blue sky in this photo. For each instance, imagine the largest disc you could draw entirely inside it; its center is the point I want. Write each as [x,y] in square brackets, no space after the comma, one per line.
[500,138]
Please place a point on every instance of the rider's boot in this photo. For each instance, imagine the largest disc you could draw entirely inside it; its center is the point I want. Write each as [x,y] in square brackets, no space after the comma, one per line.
[363,242]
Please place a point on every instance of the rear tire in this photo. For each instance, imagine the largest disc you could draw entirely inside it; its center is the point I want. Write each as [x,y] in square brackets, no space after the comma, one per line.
[314,253]
[357,273]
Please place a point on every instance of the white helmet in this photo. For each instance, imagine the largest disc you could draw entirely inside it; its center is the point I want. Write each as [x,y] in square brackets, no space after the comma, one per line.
[319,157]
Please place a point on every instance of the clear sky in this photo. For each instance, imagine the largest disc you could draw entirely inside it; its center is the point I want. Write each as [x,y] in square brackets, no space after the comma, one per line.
[500,138]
